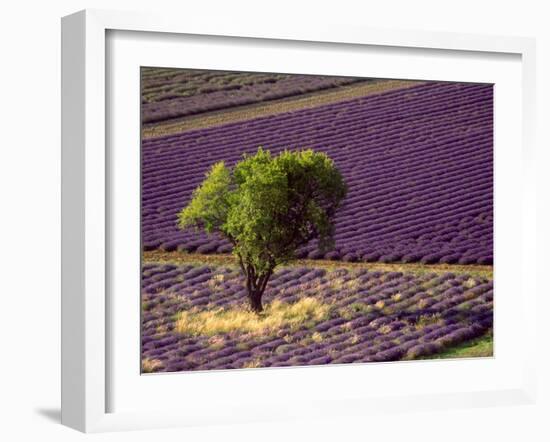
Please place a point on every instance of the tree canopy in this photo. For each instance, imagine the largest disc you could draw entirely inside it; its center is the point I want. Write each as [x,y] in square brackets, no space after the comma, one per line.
[267,207]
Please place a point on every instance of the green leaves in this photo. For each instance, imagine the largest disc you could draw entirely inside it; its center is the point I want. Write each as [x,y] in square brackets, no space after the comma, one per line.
[210,204]
[269,206]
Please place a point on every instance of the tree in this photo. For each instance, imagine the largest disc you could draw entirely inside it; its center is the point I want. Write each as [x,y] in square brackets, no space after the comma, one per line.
[267,207]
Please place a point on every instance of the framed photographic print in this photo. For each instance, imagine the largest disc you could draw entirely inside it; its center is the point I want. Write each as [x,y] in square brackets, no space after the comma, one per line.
[249,214]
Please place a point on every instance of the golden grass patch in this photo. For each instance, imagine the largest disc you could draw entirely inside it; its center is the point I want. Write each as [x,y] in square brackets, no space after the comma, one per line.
[150,365]
[317,337]
[255,363]
[380,305]
[275,316]
[397,297]
[355,339]
[288,338]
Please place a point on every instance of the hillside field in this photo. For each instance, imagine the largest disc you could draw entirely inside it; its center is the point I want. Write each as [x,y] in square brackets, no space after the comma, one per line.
[410,276]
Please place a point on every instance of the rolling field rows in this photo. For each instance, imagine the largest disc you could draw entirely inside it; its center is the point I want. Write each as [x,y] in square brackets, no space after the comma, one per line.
[169,93]
[191,319]
[418,163]
[274,107]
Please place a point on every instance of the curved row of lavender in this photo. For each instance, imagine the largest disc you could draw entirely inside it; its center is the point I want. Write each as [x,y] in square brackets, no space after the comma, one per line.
[180,93]
[374,316]
[418,163]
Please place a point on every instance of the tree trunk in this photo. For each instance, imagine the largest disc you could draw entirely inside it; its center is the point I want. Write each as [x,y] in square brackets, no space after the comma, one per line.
[255,298]
[256,286]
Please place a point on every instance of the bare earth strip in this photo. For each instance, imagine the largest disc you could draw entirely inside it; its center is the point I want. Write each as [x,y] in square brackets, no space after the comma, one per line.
[273,107]
[178,258]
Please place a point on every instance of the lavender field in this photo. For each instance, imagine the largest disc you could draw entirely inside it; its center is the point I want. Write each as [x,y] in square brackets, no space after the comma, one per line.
[418,163]
[169,94]
[410,275]
[345,316]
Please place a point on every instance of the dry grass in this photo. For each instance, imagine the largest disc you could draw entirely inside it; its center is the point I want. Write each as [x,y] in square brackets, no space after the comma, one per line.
[426,320]
[216,281]
[162,329]
[351,310]
[317,337]
[423,303]
[255,363]
[288,338]
[216,342]
[355,339]
[274,317]
[397,297]
[150,365]
[341,283]
[484,271]
[380,305]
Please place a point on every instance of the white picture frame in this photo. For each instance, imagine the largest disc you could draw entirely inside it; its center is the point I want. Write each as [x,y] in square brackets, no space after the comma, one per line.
[86,207]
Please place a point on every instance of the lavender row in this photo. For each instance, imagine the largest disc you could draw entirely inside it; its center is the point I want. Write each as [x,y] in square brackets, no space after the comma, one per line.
[418,163]
[374,316]
[176,93]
